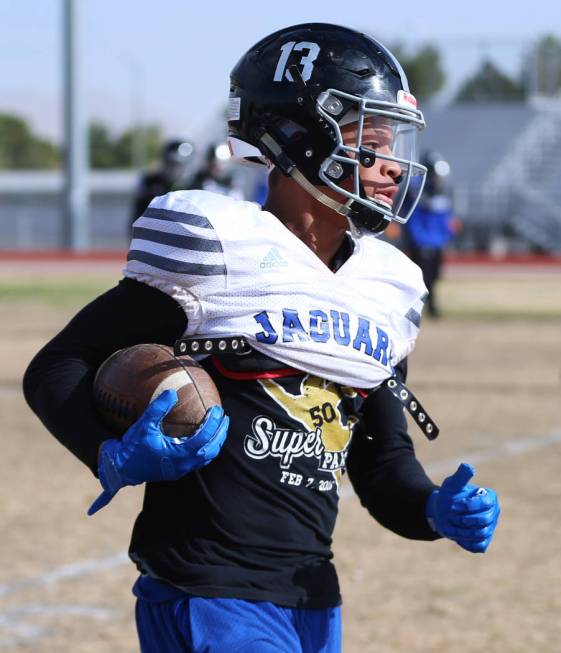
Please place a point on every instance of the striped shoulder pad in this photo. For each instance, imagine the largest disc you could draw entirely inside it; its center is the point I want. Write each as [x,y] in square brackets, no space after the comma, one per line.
[175,239]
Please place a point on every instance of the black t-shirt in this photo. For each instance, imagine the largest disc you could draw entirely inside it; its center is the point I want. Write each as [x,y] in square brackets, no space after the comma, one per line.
[256,523]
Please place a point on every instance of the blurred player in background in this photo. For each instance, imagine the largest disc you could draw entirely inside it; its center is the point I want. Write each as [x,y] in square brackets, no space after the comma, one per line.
[216,174]
[432,226]
[233,543]
[172,174]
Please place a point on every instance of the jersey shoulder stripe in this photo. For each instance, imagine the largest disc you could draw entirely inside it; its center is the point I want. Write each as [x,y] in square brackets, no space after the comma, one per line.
[178,216]
[176,240]
[174,265]
[174,237]
[414,316]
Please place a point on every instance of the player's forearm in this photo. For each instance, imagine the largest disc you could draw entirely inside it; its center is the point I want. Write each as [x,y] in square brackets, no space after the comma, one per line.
[58,390]
[385,473]
[396,496]
[58,382]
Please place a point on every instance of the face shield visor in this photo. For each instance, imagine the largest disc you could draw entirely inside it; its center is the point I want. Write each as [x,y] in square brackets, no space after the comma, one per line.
[374,162]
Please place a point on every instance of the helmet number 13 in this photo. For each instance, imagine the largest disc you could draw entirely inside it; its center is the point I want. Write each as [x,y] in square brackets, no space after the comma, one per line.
[306,61]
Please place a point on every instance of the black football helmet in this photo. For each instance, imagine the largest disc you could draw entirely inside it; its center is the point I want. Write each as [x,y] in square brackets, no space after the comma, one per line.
[292,92]
[176,151]
[438,173]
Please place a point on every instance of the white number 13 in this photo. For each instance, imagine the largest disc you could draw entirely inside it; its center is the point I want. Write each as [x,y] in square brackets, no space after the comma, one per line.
[307,60]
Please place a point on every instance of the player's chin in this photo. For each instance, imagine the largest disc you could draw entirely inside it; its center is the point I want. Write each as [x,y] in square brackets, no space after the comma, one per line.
[383,199]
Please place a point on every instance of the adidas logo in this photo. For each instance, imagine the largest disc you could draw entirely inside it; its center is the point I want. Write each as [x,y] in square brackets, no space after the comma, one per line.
[273,259]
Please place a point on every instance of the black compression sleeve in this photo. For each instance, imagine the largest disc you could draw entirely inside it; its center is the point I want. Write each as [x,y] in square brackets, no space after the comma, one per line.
[58,382]
[389,480]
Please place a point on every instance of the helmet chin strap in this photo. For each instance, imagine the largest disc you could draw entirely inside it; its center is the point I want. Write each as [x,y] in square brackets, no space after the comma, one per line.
[343,209]
[289,168]
[299,178]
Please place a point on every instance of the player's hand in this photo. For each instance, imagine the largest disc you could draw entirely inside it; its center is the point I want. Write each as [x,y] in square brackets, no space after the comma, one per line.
[463,512]
[144,453]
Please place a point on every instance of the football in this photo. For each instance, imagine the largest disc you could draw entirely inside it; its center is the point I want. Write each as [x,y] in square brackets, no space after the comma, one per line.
[133,377]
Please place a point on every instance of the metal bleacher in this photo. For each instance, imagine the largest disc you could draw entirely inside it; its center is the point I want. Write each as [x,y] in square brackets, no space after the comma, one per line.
[506,165]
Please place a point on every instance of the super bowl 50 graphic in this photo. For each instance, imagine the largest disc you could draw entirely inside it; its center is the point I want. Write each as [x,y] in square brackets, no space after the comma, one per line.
[324,434]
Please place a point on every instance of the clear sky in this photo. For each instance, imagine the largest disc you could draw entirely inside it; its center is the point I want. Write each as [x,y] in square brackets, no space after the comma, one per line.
[168,61]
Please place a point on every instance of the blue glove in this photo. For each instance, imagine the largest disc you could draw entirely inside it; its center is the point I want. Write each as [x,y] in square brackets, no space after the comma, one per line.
[144,453]
[463,512]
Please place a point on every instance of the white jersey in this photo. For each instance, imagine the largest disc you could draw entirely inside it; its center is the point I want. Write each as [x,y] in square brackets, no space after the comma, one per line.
[237,270]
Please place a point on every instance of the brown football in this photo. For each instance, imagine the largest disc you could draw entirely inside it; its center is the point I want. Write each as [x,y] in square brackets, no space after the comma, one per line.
[131,378]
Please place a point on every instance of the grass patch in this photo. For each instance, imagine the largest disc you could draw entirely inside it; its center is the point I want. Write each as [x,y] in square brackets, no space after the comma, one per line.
[495,298]
[53,292]
[471,300]
[498,315]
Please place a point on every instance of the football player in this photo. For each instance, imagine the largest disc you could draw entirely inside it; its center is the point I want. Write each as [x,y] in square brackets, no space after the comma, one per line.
[432,225]
[234,553]
[216,174]
[172,174]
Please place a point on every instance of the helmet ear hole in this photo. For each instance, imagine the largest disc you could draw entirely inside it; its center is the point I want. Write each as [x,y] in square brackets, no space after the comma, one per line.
[290,131]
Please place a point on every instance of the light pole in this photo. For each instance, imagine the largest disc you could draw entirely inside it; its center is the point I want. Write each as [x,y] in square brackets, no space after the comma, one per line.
[75,233]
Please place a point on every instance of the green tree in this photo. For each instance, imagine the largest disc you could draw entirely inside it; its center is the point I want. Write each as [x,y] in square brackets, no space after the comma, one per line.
[423,69]
[102,149]
[490,84]
[20,149]
[541,71]
[135,147]
[138,147]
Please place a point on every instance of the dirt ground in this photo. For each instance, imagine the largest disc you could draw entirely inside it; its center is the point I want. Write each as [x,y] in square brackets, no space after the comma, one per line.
[492,384]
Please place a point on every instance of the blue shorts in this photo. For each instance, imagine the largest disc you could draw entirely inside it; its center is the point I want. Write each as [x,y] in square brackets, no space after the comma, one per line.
[170,621]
